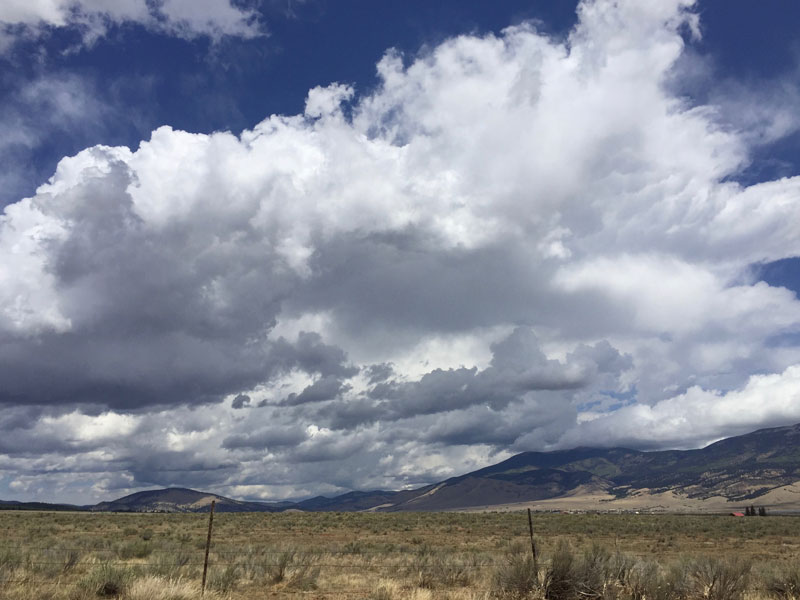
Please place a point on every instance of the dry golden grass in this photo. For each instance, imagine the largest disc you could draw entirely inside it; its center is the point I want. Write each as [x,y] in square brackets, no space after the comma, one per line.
[458,556]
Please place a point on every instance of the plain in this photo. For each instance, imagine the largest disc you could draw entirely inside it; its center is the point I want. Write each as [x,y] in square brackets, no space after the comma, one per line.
[402,555]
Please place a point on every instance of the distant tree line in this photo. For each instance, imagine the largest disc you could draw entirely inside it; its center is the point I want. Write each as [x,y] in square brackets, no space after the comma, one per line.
[751,511]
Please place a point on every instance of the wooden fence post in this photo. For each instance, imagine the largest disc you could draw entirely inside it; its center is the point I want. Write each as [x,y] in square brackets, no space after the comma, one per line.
[533,544]
[208,546]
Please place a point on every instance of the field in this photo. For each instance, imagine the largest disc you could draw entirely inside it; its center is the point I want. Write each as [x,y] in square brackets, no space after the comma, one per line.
[461,556]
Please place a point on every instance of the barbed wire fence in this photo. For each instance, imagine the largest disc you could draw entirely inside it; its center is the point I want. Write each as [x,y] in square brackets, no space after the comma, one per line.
[267,568]
[275,565]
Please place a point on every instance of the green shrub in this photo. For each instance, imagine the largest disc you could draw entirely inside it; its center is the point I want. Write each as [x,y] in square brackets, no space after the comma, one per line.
[10,558]
[516,577]
[135,549]
[719,579]
[381,593]
[303,579]
[70,558]
[600,573]
[650,581]
[646,582]
[170,565]
[224,580]
[354,547]
[433,571]
[561,580]
[276,572]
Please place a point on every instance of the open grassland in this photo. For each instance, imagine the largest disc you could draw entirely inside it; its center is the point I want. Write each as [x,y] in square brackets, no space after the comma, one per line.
[461,556]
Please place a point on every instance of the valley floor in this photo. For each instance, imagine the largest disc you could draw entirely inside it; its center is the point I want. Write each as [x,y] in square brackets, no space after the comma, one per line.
[423,556]
[782,500]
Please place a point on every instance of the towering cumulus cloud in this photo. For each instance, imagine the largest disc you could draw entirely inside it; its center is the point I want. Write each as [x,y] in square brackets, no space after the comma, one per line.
[514,242]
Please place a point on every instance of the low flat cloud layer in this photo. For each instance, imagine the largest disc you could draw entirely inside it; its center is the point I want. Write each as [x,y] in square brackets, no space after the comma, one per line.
[515,242]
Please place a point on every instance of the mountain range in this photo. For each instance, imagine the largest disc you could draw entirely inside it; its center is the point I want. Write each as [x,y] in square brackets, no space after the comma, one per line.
[762,467]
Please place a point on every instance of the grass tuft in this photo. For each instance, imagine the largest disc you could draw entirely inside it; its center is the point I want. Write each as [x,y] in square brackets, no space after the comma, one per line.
[783,583]
[106,580]
[158,588]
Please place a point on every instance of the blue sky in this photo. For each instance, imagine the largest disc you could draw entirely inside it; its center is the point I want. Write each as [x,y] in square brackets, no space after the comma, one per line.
[471,230]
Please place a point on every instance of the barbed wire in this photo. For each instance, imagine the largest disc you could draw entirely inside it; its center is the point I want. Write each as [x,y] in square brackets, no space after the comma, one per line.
[261,564]
[246,550]
[267,533]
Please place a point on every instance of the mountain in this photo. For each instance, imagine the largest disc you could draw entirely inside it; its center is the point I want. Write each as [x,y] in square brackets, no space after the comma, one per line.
[181,500]
[740,469]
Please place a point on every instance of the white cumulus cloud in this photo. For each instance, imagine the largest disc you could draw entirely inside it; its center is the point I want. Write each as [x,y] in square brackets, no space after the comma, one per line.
[508,238]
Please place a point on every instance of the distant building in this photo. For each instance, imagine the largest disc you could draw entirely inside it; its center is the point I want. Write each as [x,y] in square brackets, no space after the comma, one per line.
[737,514]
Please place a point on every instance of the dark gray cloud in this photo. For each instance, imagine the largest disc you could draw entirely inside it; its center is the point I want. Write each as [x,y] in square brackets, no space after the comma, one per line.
[268,438]
[241,401]
[327,448]
[322,390]
[152,321]
[310,354]
[404,280]
[351,412]
[379,373]
[518,369]
[474,426]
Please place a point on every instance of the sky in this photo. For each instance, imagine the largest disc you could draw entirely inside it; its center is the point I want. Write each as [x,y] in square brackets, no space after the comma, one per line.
[281,248]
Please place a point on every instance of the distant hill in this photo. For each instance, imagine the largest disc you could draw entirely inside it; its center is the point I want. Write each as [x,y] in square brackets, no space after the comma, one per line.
[14,505]
[762,467]
[180,500]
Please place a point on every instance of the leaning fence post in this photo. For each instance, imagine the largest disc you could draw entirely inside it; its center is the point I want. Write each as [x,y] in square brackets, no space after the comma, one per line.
[533,544]
[208,546]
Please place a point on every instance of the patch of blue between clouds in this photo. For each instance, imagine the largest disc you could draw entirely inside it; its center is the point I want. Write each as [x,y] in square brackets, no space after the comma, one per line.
[756,44]
[781,273]
[770,162]
[623,399]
